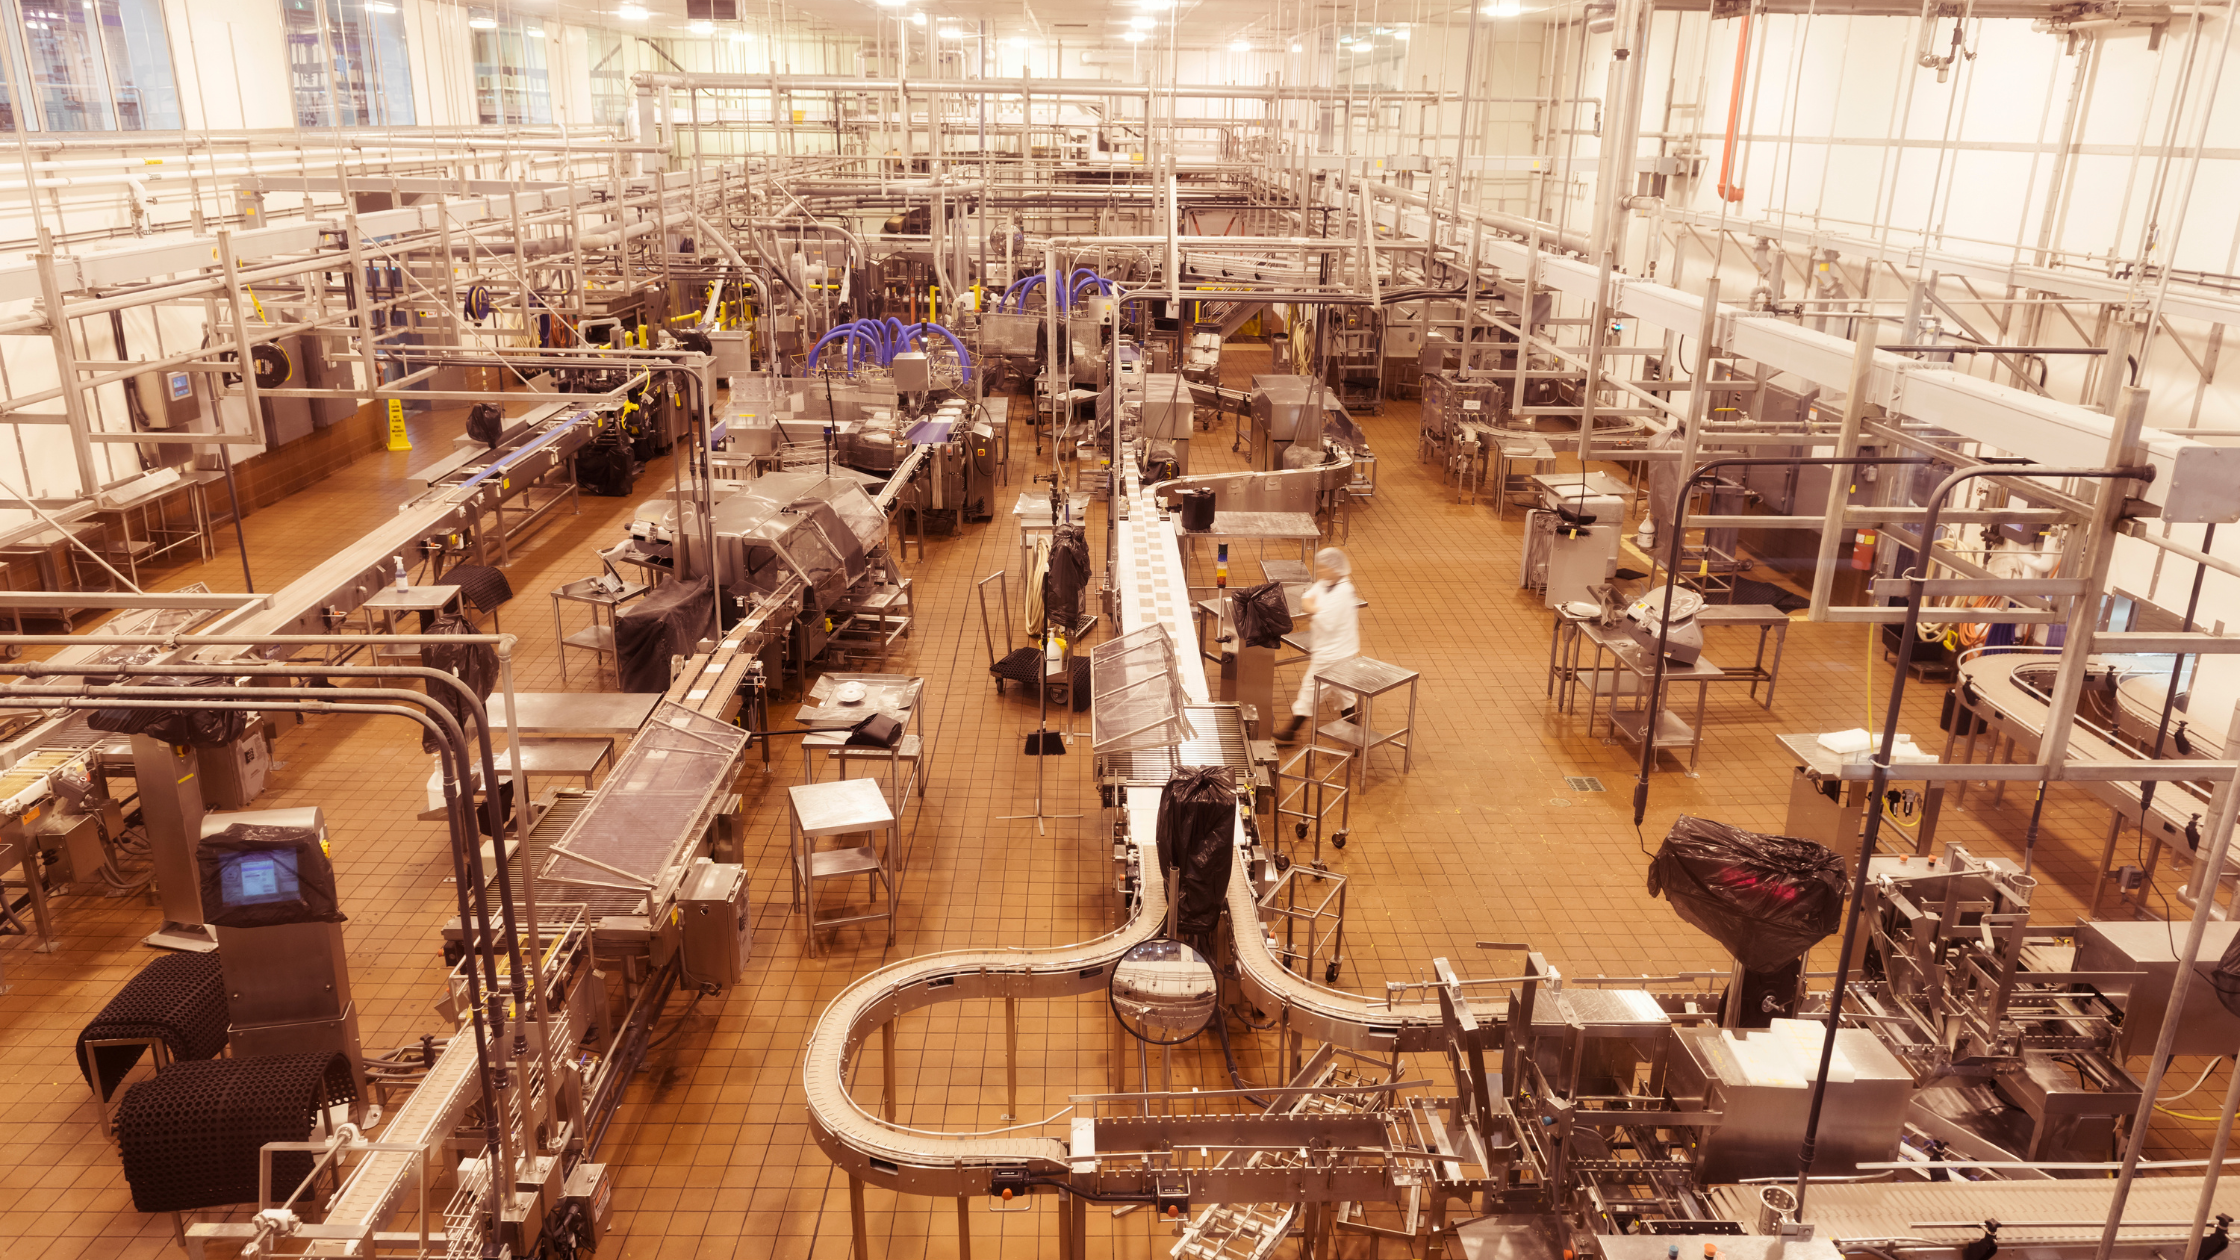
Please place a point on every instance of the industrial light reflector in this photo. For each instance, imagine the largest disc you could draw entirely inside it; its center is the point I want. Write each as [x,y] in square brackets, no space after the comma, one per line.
[631,13]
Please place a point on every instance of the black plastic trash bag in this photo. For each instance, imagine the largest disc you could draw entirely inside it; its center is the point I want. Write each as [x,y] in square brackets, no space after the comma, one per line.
[1066,578]
[2226,977]
[486,423]
[259,876]
[194,727]
[1196,833]
[475,664]
[1767,899]
[664,624]
[1262,615]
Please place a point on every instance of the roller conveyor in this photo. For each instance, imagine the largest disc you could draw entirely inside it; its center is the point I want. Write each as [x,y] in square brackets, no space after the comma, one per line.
[2029,1212]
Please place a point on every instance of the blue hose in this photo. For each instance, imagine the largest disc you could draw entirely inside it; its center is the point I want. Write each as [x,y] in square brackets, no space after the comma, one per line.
[849,331]
[964,360]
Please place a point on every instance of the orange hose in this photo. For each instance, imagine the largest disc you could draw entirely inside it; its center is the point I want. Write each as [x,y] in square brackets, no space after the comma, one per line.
[1727,191]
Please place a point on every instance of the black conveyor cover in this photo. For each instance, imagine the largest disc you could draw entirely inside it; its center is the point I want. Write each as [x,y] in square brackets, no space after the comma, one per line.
[1767,899]
[178,999]
[312,900]
[1262,615]
[665,623]
[1197,829]
[189,1138]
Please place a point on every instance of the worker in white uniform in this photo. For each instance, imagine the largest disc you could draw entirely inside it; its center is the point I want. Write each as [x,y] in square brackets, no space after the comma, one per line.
[1337,630]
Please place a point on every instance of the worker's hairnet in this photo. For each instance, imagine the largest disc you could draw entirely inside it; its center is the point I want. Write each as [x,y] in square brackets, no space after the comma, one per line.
[1334,560]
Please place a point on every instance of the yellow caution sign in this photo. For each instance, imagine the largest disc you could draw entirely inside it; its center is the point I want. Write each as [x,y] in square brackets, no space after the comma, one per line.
[399,440]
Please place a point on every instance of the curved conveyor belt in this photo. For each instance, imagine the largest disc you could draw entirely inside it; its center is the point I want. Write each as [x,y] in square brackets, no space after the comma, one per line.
[918,1161]
[2012,709]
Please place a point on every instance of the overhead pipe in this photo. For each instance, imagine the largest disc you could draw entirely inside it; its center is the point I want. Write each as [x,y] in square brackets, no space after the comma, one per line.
[647,80]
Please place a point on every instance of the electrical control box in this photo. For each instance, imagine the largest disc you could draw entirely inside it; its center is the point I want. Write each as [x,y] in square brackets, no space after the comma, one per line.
[712,910]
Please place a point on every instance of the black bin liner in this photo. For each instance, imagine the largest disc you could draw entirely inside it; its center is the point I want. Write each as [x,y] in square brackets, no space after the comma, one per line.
[195,727]
[475,664]
[2226,977]
[1262,615]
[1767,899]
[1197,825]
[665,623]
[1066,578]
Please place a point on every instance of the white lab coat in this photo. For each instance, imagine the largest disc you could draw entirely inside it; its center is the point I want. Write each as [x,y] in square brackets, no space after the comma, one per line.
[1337,634]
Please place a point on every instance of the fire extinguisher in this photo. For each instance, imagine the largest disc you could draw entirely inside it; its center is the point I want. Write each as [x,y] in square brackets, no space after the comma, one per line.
[1862,550]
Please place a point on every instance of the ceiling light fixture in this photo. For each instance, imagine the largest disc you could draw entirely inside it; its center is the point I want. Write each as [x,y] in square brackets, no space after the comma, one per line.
[742,37]
[1504,8]
[917,19]
[1240,45]
[1143,23]
[1294,48]
[1401,34]
[703,28]
[1136,37]
[1020,41]
[482,22]
[378,7]
[632,13]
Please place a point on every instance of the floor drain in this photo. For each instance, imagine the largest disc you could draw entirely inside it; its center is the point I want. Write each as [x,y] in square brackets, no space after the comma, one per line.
[1582,783]
[1561,802]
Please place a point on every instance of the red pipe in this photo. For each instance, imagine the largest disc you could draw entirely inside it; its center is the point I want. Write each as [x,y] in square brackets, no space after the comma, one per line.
[1731,192]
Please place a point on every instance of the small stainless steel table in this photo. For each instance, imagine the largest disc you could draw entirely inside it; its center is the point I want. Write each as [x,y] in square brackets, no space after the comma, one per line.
[1365,680]
[840,808]
[1228,527]
[1765,617]
[1033,514]
[1631,658]
[895,695]
[389,602]
[572,712]
[1835,820]
[598,637]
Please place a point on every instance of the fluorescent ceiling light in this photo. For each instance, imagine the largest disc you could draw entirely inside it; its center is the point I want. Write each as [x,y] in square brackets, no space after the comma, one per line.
[482,24]
[1135,37]
[1402,34]
[1020,41]
[742,37]
[1154,4]
[1240,45]
[703,28]
[890,3]
[917,19]
[1294,48]
[1143,23]
[631,13]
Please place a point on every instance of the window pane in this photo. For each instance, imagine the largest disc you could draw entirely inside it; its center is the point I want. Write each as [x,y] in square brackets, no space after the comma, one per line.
[348,62]
[391,78]
[67,77]
[140,63]
[510,82]
[8,76]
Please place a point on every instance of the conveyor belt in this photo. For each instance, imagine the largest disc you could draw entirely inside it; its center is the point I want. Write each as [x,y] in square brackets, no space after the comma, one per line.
[1148,580]
[2029,1211]
[2013,709]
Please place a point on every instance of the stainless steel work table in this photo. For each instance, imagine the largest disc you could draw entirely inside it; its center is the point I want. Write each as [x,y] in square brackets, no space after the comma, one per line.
[1765,617]
[1231,527]
[1818,767]
[572,712]
[1632,658]
[1367,679]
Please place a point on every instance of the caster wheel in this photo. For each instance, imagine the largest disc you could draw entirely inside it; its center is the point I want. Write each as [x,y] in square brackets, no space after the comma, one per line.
[1330,974]
[1299,830]
[1338,840]
[1283,861]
